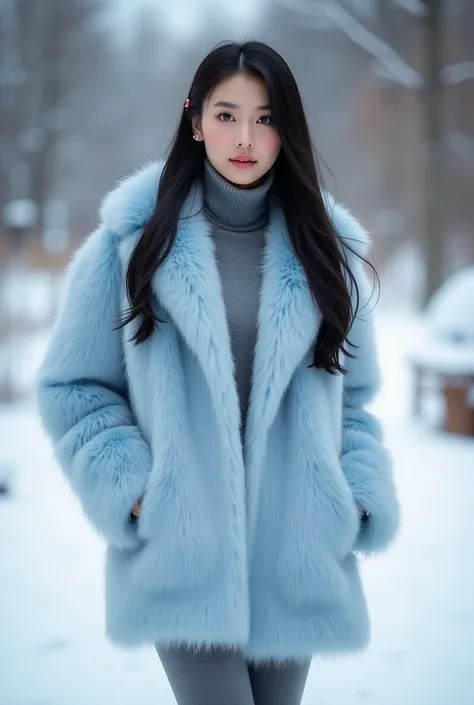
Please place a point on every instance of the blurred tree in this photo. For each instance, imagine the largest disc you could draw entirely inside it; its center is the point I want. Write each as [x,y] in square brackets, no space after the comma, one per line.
[433,19]
[40,56]
[374,26]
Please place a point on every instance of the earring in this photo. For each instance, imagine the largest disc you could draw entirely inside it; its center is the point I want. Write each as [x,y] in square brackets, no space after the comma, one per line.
[196,137]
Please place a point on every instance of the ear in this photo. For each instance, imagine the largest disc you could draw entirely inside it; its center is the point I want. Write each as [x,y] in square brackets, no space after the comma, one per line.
[196,122]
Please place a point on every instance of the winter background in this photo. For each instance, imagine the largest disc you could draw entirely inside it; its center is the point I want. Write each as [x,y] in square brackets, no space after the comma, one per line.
[90,90]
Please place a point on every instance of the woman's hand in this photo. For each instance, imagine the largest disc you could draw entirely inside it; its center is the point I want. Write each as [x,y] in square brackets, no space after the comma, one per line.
[136,509]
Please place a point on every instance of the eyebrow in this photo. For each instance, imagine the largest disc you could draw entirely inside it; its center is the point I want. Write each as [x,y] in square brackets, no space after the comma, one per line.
[233,106]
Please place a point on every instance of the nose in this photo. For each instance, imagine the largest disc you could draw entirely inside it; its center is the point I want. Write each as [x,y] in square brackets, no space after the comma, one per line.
[243,144]
[244,138]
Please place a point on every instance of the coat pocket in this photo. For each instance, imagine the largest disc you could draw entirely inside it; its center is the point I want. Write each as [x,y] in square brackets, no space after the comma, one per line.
[321,526]
[180,546]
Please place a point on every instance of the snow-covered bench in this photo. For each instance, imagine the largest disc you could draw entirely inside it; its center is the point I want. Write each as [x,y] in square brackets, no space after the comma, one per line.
[443,357]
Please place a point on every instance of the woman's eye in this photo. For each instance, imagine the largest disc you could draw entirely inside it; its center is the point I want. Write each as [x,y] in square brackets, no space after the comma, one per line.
[227,117]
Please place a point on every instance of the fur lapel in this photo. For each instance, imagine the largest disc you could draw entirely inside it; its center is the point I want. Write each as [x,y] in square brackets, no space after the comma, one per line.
[188,286]
[288,325]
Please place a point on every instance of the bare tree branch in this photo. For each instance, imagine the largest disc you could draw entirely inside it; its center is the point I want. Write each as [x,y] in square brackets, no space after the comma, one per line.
[398,69]
[311,14]
[460,144]
[457,73]
[391,65]
[373,45]
[415,7]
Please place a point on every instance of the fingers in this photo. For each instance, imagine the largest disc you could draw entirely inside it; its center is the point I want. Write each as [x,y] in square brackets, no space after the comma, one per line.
[136,509]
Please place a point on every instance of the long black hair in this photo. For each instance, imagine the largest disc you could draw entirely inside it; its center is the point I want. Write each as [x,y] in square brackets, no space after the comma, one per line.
[297,184]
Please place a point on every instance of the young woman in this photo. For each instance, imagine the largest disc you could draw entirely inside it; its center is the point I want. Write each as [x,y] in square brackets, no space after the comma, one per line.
[205,390]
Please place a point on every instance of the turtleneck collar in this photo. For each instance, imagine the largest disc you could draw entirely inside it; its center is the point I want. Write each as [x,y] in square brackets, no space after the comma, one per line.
[234,208]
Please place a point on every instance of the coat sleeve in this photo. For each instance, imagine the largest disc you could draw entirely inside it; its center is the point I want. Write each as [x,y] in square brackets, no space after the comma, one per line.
[82,395]
[366,461]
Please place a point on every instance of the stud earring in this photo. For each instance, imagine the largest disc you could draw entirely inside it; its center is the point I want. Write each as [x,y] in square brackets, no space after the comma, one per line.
[196,137]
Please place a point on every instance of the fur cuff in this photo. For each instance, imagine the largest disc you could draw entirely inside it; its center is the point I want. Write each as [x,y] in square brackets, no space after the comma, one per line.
[368,472]
[110,473]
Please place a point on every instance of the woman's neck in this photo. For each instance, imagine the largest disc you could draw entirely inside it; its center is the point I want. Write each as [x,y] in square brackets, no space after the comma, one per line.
[235,208]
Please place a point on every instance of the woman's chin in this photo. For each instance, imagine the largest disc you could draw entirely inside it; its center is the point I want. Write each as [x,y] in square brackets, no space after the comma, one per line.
[249,177]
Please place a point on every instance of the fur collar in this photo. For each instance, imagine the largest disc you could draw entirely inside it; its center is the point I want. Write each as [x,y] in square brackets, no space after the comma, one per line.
[188,286]
[130,204]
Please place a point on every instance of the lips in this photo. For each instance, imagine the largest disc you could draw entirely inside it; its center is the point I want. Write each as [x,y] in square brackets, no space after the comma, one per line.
[242,165]
[243,160]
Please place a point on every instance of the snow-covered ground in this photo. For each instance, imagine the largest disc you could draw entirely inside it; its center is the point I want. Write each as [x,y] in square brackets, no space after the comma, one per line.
[421,593]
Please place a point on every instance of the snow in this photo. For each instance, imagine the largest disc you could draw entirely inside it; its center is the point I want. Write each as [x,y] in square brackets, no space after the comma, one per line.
[28,300]
[443,357]
[449,313]
[20,214]
[53,650]
[444,343]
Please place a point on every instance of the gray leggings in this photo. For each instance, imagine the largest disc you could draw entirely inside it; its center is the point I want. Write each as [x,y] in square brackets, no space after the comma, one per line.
[222,677]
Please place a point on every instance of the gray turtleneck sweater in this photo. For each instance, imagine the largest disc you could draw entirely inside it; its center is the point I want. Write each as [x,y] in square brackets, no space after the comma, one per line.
[238,218]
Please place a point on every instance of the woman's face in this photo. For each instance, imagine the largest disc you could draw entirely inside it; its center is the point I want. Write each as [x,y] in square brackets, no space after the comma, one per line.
[240,140]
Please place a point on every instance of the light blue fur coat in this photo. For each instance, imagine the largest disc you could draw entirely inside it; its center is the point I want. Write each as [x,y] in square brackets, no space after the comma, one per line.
[250,547]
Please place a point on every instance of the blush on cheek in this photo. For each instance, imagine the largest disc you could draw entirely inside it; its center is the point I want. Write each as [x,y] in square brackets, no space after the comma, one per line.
[271,141]
[215,137]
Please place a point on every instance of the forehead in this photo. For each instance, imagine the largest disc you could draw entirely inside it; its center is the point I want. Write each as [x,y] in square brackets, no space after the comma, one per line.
[242,89]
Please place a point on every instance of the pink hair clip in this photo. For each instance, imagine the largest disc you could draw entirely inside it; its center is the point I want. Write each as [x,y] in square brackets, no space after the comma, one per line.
[187,103]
